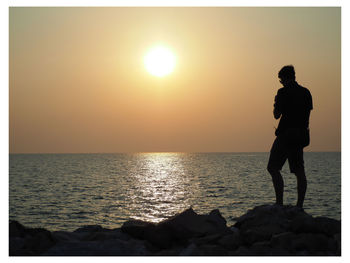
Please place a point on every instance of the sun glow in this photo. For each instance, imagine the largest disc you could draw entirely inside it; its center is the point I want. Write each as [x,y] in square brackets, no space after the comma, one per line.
[160,61]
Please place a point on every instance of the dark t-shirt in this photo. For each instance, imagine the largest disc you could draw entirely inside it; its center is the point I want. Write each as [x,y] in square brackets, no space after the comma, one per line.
[295,104]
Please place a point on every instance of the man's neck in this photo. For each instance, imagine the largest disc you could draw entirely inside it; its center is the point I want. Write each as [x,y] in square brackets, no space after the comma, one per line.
[290,84]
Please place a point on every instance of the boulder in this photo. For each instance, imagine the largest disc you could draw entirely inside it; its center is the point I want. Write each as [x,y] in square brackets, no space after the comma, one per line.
[178,229]
[16,229]
[264,230]
[189,224]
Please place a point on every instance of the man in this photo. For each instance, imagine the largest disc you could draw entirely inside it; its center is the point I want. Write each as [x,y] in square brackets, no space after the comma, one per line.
[293,104]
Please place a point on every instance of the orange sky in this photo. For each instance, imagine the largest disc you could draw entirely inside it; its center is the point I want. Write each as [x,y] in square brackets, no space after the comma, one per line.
[78,82]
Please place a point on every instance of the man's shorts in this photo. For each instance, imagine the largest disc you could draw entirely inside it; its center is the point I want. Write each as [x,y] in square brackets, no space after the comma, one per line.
[281,151]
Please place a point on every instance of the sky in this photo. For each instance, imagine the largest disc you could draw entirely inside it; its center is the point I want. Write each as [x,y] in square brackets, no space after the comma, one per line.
[78,84]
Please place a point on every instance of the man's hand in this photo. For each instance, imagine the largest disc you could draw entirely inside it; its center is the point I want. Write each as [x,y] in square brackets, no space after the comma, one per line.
[276,113]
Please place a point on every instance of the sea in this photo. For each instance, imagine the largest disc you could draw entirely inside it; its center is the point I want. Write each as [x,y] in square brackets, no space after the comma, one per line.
[68,191]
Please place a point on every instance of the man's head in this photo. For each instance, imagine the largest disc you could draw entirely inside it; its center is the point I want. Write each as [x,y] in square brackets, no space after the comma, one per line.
[287,73]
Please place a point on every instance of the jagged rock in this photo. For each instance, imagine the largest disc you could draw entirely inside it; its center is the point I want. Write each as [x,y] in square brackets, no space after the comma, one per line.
[29,241]
[264,230]
[189,224]
[177,229]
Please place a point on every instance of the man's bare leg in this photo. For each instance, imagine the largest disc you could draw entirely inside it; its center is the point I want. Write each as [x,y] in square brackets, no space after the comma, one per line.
[278,184]
[301,185]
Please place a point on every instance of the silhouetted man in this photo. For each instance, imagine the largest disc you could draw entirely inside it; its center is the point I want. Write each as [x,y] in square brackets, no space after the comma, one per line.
[293,104]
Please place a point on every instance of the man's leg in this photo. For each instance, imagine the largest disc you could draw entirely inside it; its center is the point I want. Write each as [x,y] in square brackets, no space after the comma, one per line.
[276,161]
[296,164]
[278,184]
[301,185]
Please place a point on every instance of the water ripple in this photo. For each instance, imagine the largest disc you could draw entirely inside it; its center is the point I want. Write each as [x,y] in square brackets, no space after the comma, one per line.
[63,192]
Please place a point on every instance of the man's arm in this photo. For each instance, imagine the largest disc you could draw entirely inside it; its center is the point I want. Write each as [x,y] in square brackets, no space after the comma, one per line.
[276,112]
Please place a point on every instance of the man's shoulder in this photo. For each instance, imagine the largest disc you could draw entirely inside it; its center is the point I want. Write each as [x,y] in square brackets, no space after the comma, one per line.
[281,90]
[306,90]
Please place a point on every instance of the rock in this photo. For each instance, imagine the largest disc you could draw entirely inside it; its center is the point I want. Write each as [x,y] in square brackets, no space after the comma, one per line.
[137,228]
[264,230]
[32,245]
[63,236]
[283,241]
[328,226]
[313,244]
[98,248]
[206,239]
[241,251]
[177,229]
[91,228]
[260,233]
[231,241]
[40,242]
[260,249]
[189,250]
[337,239]
[210,250]
[16,245]
[203,250]
[16,229]
[189,224]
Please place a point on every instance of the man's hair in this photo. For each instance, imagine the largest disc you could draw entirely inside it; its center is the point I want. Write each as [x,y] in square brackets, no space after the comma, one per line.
[287,72]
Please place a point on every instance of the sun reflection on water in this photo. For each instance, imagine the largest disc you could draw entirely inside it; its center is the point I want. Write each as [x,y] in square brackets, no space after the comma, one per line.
[161,186]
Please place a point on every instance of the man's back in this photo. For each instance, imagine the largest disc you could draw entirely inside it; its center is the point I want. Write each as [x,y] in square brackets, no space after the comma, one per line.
[294,102]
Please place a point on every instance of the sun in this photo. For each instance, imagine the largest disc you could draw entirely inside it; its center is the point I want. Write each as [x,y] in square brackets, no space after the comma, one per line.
[160,61]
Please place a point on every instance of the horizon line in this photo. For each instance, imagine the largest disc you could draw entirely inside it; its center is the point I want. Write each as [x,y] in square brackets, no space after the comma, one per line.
[140,152]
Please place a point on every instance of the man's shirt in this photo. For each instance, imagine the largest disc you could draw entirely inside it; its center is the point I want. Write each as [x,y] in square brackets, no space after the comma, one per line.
[294,102]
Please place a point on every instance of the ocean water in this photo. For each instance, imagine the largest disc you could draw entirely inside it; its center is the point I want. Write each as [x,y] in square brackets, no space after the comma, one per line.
[67,191]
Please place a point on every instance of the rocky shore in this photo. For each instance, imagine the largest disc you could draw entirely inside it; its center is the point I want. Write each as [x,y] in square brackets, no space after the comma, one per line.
[266,230]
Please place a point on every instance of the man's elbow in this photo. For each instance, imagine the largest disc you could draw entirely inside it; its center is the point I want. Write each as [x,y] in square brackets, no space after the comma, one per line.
[276,114]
